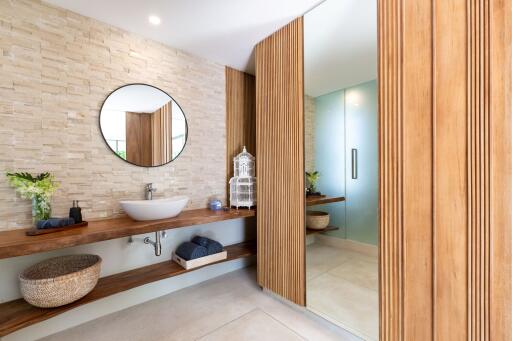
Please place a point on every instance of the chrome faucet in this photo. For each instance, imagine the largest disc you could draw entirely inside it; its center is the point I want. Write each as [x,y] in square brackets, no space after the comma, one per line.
[149,189]
[157,245]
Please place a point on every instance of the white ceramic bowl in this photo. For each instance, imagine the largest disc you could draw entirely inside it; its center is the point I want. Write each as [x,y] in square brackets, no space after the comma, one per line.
[154,209]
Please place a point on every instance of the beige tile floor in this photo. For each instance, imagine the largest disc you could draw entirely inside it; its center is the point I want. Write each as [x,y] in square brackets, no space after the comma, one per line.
[230,307]
[342,285]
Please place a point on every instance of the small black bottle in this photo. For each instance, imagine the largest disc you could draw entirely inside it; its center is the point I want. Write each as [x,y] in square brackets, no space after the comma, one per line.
[75,212]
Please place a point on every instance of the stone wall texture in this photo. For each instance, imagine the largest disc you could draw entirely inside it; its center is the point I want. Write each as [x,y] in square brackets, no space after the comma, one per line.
[56,69]
[309,131]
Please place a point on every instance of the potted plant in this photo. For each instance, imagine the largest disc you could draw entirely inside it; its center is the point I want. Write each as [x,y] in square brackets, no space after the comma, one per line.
[312,179]
[39,189]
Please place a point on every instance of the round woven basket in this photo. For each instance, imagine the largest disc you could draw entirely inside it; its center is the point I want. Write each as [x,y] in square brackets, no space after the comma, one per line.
[61,280]
[317,220]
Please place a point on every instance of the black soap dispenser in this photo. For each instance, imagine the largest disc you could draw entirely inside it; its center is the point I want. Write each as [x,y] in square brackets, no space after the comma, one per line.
[75,212]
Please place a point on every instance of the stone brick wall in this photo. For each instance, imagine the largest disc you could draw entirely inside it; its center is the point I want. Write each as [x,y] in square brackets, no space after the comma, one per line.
[56,68]
[309,130]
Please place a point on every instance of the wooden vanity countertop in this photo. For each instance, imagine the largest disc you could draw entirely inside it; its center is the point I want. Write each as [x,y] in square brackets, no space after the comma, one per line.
[15,243]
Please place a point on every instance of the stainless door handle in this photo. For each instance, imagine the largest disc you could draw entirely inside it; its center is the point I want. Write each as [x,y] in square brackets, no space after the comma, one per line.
[354,163]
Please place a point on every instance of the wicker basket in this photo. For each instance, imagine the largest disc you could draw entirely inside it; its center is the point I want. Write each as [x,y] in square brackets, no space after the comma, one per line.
[60,281]
[317,220]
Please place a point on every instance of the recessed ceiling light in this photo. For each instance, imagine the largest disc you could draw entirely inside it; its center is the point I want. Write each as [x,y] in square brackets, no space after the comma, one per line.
[154,20]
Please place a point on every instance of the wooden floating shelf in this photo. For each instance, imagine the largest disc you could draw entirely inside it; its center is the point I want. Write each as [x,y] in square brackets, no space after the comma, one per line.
[320,200]
[18,314]
[328,228]
[16,243]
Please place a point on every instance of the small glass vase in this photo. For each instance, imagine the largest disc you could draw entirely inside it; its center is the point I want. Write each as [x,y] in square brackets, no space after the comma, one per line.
[41,208]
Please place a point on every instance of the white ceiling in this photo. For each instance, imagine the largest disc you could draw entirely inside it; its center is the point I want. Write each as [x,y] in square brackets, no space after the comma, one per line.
[340,45]
[224,31]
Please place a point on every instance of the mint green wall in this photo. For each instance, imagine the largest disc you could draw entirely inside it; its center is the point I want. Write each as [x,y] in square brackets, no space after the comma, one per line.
[330,154]
[347,119]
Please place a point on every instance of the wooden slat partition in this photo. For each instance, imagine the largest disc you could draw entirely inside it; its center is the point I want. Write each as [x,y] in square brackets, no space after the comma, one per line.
[280,162]
[445,169]
[406,149]
[240,115]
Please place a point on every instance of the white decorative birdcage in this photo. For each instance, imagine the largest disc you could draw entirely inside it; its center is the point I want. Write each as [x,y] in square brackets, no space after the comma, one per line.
[242,186]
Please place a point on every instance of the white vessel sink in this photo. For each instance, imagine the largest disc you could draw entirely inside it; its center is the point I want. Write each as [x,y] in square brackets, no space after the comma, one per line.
[154,209]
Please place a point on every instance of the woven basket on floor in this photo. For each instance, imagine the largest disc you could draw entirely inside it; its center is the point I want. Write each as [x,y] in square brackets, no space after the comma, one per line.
[61,280]
[317,220]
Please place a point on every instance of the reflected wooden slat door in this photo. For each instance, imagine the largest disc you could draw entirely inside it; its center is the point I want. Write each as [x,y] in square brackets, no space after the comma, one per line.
[138,139]
[240,116]
[280,162]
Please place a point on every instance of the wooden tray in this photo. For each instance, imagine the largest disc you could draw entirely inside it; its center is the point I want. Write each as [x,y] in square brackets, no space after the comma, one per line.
[198,262]
[36,232]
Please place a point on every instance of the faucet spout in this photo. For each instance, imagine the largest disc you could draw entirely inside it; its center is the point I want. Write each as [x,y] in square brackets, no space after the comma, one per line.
[149,190]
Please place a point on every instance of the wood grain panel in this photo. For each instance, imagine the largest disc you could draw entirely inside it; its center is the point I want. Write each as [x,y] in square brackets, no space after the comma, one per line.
[240,115]
[138,139]
[418,147]
[450,170]
[280,162]
[500,234]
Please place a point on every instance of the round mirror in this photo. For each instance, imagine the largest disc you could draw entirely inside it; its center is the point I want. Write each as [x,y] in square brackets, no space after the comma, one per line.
[143,125]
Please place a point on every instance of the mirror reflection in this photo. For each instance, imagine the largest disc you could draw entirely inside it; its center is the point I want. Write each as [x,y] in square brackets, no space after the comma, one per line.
[342,163]
[143,125]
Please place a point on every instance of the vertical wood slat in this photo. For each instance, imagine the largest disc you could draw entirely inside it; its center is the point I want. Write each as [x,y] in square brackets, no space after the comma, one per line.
[478,153]
[391,234]
[161,135]
[240,115]
[500,234]
[417,163]
[280,162]
[450,170]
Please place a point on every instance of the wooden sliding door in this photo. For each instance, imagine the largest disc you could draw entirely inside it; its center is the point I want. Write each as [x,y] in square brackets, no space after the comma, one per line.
[445,165]
[445,169]
[280,162]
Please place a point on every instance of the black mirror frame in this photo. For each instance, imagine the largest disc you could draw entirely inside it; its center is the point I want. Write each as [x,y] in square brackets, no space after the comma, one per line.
[105,140]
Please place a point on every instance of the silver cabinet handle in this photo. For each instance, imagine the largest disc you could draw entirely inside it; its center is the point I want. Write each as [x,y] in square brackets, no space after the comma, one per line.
[354,163]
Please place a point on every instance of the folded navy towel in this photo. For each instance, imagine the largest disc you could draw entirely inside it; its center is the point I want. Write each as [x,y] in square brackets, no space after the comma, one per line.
[212,246]
[203,241]
[54,223]
[190,251]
